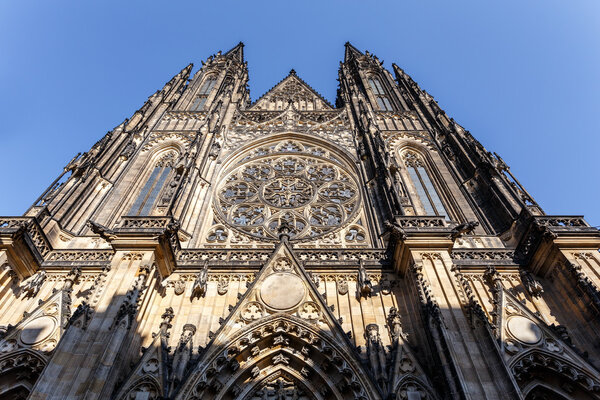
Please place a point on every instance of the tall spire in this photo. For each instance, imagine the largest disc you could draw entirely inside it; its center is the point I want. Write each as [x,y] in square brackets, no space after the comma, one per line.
[237,52]
[351,52]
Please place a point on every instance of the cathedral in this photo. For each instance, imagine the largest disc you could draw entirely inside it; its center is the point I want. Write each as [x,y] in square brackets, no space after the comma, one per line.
[214,247]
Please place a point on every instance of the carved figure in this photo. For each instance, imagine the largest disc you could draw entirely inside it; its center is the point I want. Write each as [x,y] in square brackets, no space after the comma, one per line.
[364,283]
[33,285]
[200,285]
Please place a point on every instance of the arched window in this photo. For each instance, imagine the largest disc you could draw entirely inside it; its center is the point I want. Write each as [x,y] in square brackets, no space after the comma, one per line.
[428,196]
[200,100]
[148,196]
[382,100]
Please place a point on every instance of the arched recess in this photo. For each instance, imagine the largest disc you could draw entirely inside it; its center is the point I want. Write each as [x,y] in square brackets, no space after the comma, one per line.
[546,371]
[310,183]
[154,171]
[279,343]
[411,387]
[146,388]
[428,191]
[19,371]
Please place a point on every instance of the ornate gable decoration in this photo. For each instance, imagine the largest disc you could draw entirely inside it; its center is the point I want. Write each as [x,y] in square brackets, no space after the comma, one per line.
[280,333]
[41,329]
[528,344]
[294,90]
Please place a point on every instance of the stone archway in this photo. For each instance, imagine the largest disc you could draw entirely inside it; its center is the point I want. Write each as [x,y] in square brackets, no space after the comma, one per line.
[307,356]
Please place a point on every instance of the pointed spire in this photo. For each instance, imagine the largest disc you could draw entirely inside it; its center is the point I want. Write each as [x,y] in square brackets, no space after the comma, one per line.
[237,52]
[351,52]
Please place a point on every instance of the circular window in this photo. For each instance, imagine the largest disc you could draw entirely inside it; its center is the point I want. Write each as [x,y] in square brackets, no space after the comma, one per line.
[312,195]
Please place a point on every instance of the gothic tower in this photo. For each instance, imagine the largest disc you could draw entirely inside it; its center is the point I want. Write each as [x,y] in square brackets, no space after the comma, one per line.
[210,247]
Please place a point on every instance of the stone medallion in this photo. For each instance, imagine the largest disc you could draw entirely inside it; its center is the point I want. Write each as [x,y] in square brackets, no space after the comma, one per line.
[38,330]
[282,291]
[524,330]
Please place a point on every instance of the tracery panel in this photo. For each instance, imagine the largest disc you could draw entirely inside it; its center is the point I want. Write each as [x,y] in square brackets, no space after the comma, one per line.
[303,187]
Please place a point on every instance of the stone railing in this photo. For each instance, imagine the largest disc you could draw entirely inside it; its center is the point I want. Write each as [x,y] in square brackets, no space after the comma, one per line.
[34,233]
[483,256]
[406,221]
[561,221]
[79,255]
[144,222]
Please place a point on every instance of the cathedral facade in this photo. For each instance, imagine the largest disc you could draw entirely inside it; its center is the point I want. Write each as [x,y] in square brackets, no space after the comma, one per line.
[210,247]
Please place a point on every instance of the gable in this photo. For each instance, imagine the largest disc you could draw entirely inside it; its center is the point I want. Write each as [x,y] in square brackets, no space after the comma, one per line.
[293,90]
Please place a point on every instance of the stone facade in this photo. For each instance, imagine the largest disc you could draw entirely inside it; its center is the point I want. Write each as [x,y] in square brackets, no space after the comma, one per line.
[209,247]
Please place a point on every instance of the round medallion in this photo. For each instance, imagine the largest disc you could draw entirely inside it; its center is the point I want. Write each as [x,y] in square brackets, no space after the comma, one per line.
[524,330]
[282,291]
[38,330]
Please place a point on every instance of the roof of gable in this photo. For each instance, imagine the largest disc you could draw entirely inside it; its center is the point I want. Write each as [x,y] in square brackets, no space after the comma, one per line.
[292,76]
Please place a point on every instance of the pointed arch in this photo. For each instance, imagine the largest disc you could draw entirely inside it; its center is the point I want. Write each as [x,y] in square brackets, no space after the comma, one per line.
[424,188]
[153,180]
[148,385]
[537,367]
[280,341]
[19,371]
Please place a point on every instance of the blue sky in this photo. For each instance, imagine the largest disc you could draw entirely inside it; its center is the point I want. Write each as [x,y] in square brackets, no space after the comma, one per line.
[522,76]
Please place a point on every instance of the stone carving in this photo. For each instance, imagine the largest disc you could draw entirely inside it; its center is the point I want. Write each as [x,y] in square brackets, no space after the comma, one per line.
[364,283]
[200,284]
[33,284]
[376,353]
[313,196]
[342,287]
[179,287]
[183,354]
[223,286]
[252,311]
[395,324]
[282,291]
[533,287]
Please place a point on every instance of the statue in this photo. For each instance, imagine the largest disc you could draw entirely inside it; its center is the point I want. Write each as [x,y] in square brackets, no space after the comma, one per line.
[395,324]
[33,285]
[199,288]
[364,283]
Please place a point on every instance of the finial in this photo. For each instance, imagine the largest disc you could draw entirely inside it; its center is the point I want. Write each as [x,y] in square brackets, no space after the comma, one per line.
[292,71]
[284,231]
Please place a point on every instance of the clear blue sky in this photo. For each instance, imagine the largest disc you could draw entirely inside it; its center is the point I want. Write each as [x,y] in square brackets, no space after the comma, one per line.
[522,76]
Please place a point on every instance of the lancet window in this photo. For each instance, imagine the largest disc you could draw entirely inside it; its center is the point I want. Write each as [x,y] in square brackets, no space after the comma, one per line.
[424,187]
[147,199]
[383,102]
[205,89]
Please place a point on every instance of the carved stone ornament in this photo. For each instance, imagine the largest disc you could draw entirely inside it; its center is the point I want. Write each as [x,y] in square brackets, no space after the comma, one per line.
[179,287]
[314,196]
[282,291]
[342,286]
[223,286]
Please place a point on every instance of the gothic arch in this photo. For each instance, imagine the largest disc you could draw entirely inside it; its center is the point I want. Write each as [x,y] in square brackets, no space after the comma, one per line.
[147,384]
[236,155]
[164,155]
[409,154]
[279,342]
[19,371]
[541,367]
[411,385]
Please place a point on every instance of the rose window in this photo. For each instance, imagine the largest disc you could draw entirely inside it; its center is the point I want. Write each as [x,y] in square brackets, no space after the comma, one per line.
[311,195]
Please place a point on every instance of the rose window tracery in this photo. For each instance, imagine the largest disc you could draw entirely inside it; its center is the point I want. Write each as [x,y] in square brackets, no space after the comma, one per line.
[312,193]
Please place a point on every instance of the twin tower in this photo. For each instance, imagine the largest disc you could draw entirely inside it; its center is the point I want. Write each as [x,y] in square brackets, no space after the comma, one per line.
[211,247]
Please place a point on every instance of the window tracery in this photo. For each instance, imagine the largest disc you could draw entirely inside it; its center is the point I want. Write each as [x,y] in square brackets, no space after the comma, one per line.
[148,197]
[380,95]
[200,100]
[424,187]
[291,183]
